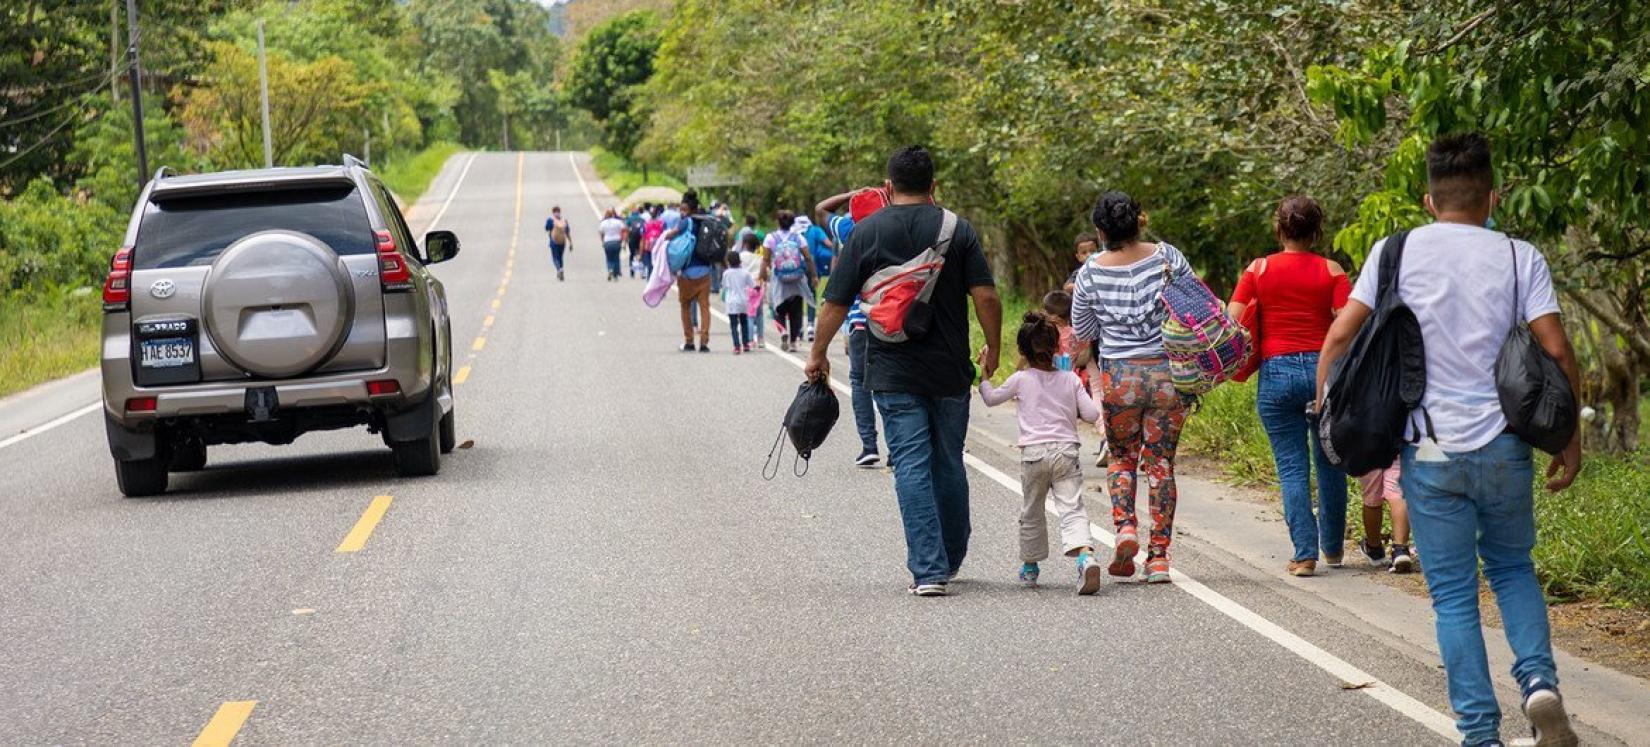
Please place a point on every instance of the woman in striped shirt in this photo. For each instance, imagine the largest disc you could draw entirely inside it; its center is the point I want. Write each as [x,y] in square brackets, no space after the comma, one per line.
[1118,304]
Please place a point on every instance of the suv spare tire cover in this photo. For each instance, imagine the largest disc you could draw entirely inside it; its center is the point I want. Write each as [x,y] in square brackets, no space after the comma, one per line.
[278,303]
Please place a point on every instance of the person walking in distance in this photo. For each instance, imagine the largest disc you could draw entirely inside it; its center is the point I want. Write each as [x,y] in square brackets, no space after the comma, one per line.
[561,239]
[1119,304]
[693,283]
[1297,293]
[789,275]
[1051,401]
[1468,482]
[921,385]
[612,230]
[633,227]
[737,285]
[858,340]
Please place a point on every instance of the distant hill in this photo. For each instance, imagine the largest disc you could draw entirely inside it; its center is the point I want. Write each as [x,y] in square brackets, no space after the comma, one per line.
[581,15]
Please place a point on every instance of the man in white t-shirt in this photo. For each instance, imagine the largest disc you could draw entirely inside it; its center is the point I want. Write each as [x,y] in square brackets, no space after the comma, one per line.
[1470,491]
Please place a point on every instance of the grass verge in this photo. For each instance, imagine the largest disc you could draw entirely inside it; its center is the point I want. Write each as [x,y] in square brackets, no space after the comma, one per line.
[409,176]
[47,336]
[623,176]
[1594,537]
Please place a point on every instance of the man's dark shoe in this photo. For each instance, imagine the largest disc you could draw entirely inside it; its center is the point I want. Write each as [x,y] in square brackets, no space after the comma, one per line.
[687,347]
[704,347]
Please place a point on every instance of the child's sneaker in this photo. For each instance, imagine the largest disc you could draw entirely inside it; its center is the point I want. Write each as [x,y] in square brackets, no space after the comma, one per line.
[1549,722]
[748,347]
[928,589]
[1402,560]
[1122,563]
[867,460]
[1029,573]
[1375,551]
[1157,570]
[737,349]
[1088,574]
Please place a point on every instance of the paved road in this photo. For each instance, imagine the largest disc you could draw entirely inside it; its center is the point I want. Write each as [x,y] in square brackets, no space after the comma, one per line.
[607,564]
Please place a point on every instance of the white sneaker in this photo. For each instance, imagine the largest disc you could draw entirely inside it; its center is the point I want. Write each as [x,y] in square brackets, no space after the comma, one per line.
[1088,574]
[928,590]
[1551,723]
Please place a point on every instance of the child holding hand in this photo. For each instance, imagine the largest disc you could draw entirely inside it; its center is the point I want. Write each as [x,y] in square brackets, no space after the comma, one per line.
[1050,403]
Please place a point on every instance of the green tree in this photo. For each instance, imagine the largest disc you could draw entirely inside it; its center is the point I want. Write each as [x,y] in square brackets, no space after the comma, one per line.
[609,69]
[1563,92]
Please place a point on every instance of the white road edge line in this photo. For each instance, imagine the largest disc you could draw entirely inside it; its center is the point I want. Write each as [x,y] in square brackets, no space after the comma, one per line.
[39,429]
[451,194]
[1394,698]
[573,163]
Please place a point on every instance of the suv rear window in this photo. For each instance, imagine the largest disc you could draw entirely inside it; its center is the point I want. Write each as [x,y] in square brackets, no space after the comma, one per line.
[194,229]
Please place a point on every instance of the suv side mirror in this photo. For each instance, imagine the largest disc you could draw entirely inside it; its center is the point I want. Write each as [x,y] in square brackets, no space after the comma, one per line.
[440,246]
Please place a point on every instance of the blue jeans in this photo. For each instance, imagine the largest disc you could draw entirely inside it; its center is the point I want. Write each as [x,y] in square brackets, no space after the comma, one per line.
[865,411]
[1287,384]
[739,325]
[925,442]
[611,249]
[1471,506]
[556,252]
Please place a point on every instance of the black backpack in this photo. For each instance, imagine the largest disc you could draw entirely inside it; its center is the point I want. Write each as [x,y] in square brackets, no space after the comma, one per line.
[808,421]
[1535,394]
[710,239]
[1372,390]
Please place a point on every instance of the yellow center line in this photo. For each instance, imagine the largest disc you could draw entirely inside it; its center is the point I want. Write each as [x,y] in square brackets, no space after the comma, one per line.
[488,322]
[480,343]
[225,724]
[358,535]
[496,304]
[463,373]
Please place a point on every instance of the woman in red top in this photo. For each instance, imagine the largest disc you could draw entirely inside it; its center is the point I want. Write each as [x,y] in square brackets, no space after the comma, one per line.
[1299,292]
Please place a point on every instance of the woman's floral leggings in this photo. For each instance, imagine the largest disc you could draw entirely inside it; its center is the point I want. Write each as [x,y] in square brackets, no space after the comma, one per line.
[1144,413]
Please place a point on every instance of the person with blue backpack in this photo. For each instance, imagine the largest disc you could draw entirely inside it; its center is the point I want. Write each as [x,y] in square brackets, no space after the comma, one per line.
[693,248]
[858,338]
[789,273]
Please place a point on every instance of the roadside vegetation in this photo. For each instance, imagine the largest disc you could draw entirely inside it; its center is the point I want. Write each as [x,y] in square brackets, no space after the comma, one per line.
[624,177]
[1595,536]
[416,79]
[409,177]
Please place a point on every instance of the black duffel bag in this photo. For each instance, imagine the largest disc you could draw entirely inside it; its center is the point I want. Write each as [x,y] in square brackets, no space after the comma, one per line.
[1536,396]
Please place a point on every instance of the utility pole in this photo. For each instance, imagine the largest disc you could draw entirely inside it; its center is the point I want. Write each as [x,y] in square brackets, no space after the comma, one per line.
[135,71]
[263,97]
[114,51]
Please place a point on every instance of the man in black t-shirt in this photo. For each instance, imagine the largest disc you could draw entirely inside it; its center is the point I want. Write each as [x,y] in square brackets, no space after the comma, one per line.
[921,386]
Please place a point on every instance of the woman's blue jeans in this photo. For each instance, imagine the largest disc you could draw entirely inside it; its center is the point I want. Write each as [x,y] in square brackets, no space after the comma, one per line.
[1287,385]
[611,249]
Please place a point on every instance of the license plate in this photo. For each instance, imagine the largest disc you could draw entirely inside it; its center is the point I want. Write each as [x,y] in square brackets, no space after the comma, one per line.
[166,352]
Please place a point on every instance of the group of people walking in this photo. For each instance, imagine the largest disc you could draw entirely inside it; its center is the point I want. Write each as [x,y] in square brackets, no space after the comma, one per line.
[1095,352]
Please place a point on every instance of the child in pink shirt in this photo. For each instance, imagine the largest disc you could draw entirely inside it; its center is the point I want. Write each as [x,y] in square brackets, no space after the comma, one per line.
[1050,403]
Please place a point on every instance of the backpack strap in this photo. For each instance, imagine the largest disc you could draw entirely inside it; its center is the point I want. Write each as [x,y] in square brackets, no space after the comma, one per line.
[1392,260]
[1518,308]
[948,228]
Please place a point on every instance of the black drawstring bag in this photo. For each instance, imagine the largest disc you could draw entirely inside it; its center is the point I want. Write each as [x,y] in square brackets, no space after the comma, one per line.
[1535,394]
[808,422]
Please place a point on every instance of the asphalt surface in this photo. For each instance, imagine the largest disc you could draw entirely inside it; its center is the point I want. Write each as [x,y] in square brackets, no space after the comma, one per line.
[607,564]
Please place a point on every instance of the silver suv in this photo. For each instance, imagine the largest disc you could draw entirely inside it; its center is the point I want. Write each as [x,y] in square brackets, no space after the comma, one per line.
[260,305]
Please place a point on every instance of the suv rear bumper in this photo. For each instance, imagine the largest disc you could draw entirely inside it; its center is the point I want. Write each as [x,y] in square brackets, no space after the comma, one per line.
[408,362]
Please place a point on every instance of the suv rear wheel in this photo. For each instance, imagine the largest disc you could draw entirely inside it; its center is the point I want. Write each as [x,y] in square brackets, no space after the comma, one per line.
[142,477]
[421,456]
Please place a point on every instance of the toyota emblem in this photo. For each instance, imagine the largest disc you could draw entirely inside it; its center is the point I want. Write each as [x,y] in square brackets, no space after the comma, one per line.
[163,288]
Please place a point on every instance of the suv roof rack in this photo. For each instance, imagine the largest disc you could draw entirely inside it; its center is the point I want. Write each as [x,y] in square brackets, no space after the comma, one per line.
[350,160]
[163,172]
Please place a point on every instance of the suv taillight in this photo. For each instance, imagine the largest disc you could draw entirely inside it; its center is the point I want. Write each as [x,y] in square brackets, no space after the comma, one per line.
[117,288]
[392,267]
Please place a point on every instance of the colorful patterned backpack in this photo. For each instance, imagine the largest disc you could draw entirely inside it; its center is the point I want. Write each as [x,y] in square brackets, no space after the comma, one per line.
[1205,346]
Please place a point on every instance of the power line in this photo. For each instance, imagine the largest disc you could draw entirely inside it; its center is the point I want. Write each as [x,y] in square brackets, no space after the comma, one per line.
[71,101]
[42,141]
